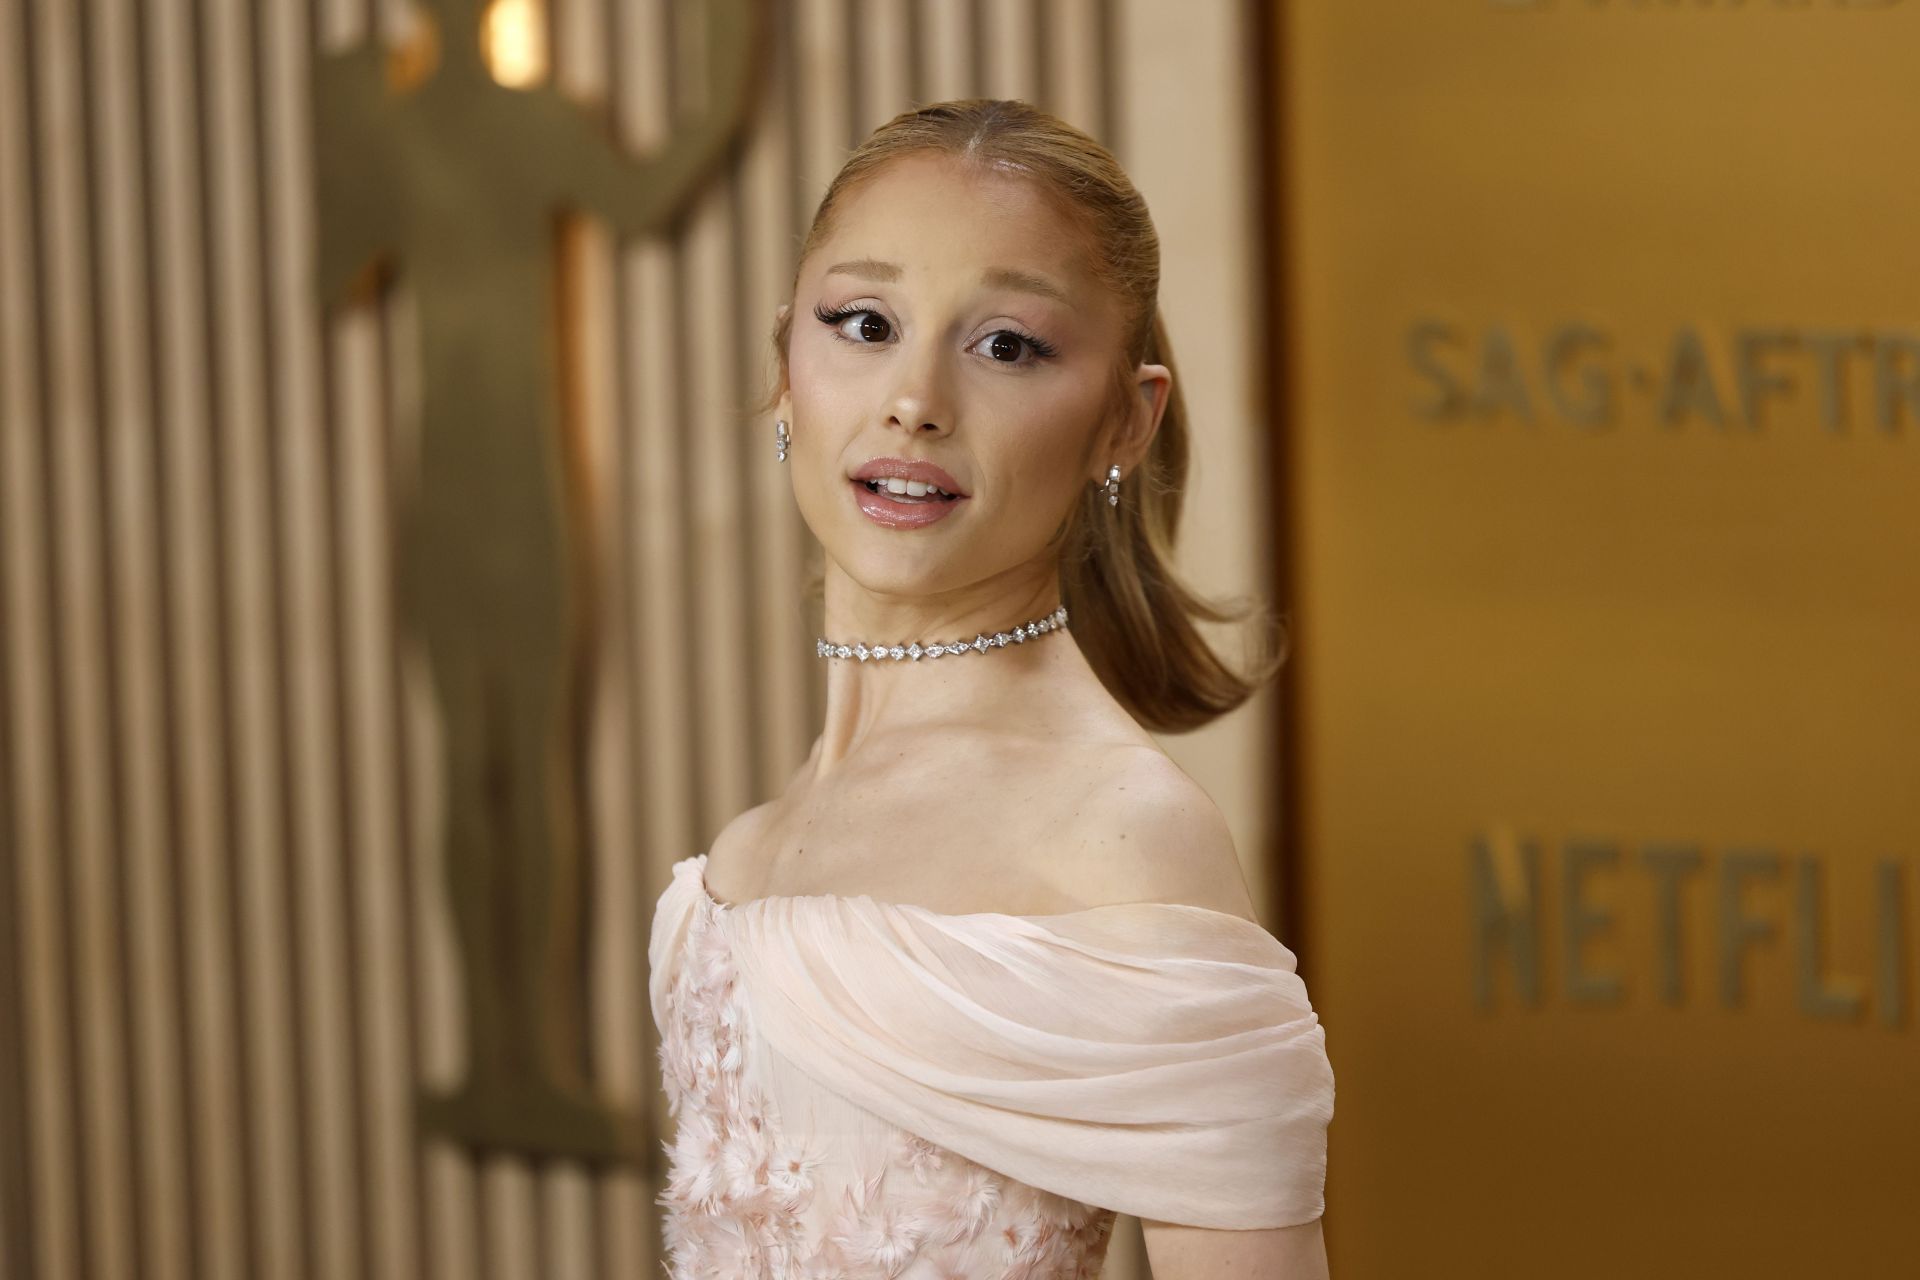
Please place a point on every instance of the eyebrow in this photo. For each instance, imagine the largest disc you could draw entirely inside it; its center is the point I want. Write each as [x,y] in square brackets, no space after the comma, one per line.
[994,277]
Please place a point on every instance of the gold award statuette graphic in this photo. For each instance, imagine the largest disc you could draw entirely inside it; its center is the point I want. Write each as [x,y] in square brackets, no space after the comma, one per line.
[430,168]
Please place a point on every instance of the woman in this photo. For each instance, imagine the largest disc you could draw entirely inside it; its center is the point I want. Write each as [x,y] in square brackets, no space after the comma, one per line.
[986,972]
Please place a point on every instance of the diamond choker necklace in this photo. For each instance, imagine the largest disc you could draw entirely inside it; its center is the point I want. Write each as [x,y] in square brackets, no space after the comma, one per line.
[826,648]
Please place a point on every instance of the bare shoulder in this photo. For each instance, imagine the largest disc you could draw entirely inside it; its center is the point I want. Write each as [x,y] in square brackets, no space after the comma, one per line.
[1147,832]
[729,852]
[746,831]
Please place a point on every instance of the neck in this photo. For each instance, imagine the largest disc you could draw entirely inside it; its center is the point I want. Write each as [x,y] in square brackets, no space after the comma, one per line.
[870,700]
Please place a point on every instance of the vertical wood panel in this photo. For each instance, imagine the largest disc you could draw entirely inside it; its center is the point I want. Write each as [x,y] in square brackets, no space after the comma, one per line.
[687,46]
[776,572]
[286,30]
[49,1143]
[509,1227]
[1073,69]
[334,1238]
[653,479]
[15,1244]
[884,60]
[339,874]
[716,520]
[195,748]
[823,74]
[566,1213]
[338,25]
[152,985]
[579,49]
[627,763]
[222,761]
[238,261]
[818,96]
[79,650]
[1012,65]
[567,1194]
[946,37]
[612,1237]
[618,915]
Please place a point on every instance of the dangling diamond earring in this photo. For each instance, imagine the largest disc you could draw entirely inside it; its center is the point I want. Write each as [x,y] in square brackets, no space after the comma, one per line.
[1112,486]
[780,439]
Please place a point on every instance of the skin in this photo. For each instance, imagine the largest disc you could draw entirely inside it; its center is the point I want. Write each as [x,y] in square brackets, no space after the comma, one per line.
[934,782]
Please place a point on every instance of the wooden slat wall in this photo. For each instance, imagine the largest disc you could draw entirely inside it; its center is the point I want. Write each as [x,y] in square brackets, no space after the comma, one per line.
[224,962]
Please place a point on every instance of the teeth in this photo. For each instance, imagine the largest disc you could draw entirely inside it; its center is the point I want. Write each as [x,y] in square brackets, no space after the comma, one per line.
[909,488]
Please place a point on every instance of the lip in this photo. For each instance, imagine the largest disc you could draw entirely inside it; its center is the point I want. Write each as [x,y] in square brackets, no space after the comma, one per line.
[884,510]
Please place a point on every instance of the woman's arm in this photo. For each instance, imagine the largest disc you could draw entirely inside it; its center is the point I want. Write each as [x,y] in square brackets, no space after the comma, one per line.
[1201,1253]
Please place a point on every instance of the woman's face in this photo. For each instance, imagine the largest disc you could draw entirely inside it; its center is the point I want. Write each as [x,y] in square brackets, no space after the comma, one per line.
[950,317]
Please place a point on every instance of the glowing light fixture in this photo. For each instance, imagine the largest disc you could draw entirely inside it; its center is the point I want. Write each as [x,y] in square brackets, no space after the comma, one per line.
[513,40]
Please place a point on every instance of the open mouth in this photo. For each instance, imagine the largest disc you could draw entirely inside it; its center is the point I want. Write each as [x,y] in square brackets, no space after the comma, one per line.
[879,488]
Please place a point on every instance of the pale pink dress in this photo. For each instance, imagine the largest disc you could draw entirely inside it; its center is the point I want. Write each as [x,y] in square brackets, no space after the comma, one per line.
[870,1089]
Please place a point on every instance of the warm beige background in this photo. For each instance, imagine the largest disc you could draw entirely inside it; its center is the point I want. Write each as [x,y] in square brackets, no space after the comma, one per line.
[1619,630]
[225,961]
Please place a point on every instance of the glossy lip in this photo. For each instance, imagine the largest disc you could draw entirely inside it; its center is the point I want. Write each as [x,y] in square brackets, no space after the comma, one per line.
[886,511]
[890,468]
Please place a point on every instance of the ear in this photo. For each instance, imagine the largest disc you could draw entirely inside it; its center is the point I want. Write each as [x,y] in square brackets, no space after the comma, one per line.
[1154,384]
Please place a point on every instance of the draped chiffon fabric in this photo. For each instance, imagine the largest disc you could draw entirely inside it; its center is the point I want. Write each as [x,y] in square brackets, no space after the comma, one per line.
[870,1088]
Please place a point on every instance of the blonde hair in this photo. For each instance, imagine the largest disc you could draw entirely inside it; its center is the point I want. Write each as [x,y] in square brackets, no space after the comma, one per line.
[1131,615]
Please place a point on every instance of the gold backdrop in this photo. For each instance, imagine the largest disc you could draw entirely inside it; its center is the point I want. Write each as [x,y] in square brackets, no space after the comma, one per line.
[1604,400]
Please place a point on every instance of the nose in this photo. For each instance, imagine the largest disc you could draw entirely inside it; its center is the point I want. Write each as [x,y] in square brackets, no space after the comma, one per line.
[919,401]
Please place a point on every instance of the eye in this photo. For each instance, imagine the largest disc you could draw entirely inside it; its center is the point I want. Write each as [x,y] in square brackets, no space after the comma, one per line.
[835,319]
[873,329]
[1009,341]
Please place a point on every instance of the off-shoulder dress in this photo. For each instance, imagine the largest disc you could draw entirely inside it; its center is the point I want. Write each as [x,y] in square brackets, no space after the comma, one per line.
[870,1089]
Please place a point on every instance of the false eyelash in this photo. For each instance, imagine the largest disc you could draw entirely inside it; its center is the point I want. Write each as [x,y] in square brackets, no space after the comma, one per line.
[1041,347]
[832,317]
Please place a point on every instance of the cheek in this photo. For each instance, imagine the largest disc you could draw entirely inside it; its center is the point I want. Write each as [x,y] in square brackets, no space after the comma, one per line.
[1039,474]
[1053,427]
[803,373]
[826,391]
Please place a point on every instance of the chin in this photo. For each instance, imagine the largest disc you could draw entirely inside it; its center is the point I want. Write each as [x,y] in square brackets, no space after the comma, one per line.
[921,571]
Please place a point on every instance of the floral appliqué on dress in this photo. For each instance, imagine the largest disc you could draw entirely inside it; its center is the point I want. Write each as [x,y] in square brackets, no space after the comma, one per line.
[746,1198]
